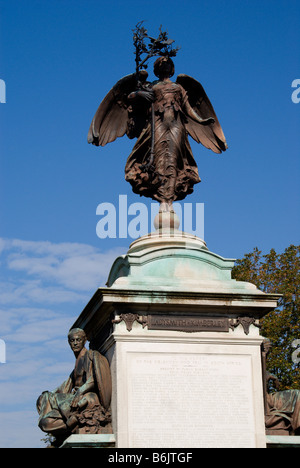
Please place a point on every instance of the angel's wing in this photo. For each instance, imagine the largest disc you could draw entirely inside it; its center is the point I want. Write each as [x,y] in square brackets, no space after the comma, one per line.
[212,135]
[112,116]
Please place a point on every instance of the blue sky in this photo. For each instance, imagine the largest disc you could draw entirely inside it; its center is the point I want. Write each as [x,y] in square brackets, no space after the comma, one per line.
[58,60]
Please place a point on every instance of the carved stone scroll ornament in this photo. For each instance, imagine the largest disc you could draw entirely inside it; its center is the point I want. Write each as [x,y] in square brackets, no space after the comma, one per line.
[245,322]
[129,319]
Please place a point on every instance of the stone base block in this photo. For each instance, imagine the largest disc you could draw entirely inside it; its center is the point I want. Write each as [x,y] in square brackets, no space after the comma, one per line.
[187,390]
[283,441]
[89,441]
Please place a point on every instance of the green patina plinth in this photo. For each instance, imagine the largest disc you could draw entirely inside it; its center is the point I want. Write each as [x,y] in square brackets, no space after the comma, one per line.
[175,260]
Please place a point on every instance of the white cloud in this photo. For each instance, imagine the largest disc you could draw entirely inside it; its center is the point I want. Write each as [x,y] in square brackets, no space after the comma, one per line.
[78,267]
[48,273]
[2,245]
[25,433]
[35,291]
[40,331]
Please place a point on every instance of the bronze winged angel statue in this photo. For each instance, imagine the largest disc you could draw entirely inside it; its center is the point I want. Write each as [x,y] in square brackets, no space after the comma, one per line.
[161,115]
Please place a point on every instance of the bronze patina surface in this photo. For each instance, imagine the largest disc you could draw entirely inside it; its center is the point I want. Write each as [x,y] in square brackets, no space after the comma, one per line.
[161,115]
[282,408]
[82,403]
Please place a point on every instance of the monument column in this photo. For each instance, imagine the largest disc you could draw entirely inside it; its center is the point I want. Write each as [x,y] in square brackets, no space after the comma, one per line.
[182,338]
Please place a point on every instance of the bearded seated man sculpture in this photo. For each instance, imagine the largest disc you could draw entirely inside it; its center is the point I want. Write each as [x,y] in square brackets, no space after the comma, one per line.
[82,403]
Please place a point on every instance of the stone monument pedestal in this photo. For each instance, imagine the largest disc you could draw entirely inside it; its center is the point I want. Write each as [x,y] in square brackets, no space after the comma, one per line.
[89,441]
[182,338]
[283,441]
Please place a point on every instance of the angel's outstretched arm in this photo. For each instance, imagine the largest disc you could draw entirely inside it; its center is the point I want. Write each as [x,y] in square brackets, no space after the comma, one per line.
[197,105]
[145,94]
[188,110]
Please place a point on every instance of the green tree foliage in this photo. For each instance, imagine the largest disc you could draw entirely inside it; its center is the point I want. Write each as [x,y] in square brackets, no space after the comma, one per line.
[280,274]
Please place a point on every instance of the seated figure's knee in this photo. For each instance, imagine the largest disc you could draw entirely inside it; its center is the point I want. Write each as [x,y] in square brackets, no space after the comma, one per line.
[52,425]
[45,424]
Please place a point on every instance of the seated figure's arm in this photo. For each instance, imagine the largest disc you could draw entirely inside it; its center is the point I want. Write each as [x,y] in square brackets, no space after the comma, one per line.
[88,386]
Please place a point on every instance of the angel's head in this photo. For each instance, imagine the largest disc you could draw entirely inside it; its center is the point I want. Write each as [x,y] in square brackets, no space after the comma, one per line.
[164,67]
